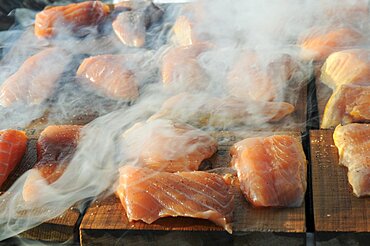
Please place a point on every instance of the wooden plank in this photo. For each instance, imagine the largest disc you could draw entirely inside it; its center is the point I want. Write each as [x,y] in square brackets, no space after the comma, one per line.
[59,229]
[106,219]
[336,209]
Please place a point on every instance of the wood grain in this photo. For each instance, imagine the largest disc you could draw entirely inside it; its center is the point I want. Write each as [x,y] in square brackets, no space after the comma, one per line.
[59,229]
[106,218]
[336,209]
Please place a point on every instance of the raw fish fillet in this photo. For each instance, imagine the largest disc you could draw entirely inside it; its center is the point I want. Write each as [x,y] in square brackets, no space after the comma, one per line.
[319,42]
[55,149]
[76,15]
[349,103]
[35,80]
[254,77]
[180,68]
[111,75]
[13,145]
[167,146]
[221,112]
[271,170]
[353,143]
[148,195]
[346,67]
[130,26]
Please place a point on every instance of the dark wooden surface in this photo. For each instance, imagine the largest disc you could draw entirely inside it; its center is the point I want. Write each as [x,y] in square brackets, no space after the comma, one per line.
[59,229]
[336,209]
[106,218]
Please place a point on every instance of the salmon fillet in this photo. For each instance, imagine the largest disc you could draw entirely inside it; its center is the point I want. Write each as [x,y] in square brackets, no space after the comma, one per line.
[349,103]
[35,80]
[75,16]
[353,143]
[13,145]
[271,170]
[255,78]
[221,112]
[148,195]
[55,149]
[319,42]
[111,75]
[346,67]
[180,69]
[131,26]
[167,146]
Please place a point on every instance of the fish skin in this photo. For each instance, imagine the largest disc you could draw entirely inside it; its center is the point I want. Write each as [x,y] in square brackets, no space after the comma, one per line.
[271,170]
[350,103]
[13,144]
[55,149]
[168,146]
[338,68]
[110,75]
[36,79]
[319,42]
[148,195]
[353,143]
[76,15]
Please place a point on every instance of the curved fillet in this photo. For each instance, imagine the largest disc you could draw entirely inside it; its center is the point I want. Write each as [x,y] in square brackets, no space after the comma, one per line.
[76,15]
[13,145]
[36,79]
[167,146]
[319,42]
[110,75]
[349,103]
[148,195]
[353,143]
[271,170]
[55,148]
[346,67]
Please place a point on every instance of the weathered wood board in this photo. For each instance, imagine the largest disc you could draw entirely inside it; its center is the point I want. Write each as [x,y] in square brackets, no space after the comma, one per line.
[336,209]
[106,221]
[59,229]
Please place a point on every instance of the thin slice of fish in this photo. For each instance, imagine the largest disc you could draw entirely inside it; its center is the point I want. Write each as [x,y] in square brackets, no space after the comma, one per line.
[35,80]
[346,67]
[13,145]
[353,143]
[55,149]
[271,170]
[72,17]
[349,103]
[148,195]
[168,146]
[111,75]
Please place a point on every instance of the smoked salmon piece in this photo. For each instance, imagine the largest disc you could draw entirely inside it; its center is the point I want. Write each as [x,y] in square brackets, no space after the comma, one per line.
[111,75]
[348,104]
[181,70]
[167,146]
[346,67]
[148,195]
[271,170]
[35,80]
[131,26]
[353,143]
[221,112]
[255,78]
[13,145]
[55,149]
[75,16]
[319,42]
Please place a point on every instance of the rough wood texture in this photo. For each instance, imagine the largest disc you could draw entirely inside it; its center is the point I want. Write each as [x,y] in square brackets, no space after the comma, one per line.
[106,219]
[336,209]
[59,229]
